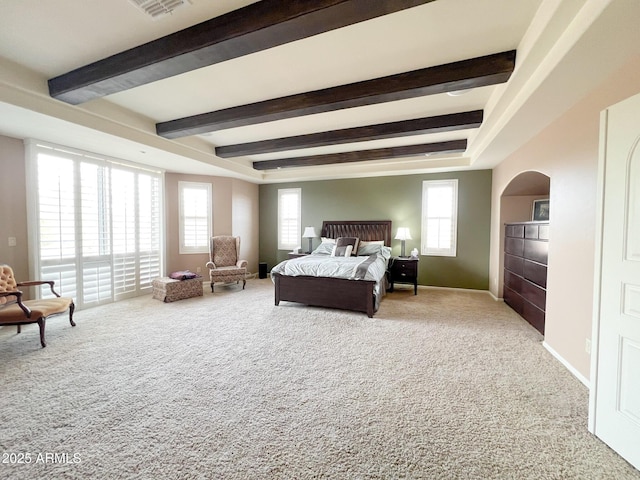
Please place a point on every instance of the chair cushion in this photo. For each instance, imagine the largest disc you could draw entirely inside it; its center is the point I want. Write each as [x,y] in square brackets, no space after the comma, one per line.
[224,251]
[228,274]
[39,308]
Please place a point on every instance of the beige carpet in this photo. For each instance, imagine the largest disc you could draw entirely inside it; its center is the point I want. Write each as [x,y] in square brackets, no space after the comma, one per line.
[442,385]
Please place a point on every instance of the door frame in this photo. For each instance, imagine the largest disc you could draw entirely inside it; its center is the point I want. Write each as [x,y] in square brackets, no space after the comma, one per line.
[597,271]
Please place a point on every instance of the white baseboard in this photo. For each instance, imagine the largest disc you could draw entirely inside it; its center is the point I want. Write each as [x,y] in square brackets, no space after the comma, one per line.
[469,290]
[497,299]
[568,366]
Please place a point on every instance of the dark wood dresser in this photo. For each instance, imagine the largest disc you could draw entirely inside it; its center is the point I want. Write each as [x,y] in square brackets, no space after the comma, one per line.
[525,270]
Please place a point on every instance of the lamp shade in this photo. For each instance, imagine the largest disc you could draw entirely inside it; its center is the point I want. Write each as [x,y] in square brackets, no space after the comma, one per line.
[403,233]
[309,232]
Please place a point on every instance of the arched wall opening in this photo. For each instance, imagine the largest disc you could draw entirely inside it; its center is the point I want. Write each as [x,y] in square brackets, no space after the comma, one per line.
[516,205]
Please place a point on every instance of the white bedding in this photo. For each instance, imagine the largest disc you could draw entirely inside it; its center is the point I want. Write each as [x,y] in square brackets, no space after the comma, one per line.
[328,266]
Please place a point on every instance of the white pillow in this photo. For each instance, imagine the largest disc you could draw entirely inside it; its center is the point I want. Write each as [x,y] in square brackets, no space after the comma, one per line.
[328,240]
[370,248]
[325,248]
[374,242]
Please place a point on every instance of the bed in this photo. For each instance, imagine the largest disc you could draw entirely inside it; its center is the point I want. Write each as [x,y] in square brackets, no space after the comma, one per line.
[361,295]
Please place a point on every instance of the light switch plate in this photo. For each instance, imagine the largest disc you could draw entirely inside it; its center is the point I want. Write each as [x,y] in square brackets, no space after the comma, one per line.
[12,241]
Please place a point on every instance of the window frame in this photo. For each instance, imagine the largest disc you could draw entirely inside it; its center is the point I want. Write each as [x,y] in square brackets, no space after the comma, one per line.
[425,249]
[92,275]
[208,188]
[282,245]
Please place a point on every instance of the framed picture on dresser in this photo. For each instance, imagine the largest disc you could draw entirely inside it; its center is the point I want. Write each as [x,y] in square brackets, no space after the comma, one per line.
[540,210]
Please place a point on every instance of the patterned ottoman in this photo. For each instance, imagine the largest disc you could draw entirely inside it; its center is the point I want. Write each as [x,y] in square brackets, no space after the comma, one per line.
[170,290]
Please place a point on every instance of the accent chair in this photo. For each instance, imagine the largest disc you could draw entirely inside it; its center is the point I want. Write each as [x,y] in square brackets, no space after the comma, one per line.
[224,264]
[15,311]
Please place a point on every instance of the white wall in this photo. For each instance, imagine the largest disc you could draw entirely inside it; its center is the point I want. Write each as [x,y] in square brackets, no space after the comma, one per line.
[518,208]
[235,212]
[245,212]
[567,152]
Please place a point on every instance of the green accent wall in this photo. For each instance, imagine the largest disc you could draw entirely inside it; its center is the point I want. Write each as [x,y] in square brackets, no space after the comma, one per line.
[399,199]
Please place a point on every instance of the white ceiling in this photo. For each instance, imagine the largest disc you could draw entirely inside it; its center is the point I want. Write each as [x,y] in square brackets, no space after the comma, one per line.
[565,48]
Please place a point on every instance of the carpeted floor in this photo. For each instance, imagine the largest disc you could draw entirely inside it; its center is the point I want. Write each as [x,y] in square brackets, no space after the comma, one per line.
[442,385]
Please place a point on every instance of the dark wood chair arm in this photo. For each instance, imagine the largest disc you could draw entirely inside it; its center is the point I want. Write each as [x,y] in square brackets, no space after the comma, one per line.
[35,283]
[15,293]
[18,295]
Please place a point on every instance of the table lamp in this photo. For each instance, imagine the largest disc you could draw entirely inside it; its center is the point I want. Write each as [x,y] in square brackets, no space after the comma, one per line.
[403,234]
[310,233]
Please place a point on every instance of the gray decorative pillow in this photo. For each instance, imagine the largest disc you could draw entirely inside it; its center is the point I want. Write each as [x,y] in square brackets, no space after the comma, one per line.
[344,241]
[344,251]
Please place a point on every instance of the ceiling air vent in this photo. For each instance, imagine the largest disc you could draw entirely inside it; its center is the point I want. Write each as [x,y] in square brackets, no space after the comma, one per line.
[159,8]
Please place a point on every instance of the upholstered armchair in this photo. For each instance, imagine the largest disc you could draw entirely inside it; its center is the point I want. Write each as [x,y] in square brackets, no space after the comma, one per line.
[15,311]
[224,265]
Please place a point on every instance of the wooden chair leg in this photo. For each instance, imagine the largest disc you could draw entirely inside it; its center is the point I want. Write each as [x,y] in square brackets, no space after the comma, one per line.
[72,307]
[211,287]
[19,328]
[41,322]
[244,282]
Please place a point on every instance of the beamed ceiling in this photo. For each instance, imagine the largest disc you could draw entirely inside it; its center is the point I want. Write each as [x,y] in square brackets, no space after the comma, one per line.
[276,90]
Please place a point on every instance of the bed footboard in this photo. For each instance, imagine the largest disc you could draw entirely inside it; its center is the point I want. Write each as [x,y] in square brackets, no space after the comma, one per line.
[356,295]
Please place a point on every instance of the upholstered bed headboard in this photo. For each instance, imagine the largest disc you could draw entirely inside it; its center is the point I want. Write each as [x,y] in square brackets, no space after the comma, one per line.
[365,230]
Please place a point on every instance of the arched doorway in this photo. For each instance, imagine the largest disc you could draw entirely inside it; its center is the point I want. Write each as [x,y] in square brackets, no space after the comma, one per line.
[524,246]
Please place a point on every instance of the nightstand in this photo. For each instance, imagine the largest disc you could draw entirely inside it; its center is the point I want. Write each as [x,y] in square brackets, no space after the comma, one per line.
[403,270]
[296,255]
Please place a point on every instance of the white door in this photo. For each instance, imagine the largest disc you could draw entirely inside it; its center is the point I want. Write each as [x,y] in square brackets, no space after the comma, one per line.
[615,402]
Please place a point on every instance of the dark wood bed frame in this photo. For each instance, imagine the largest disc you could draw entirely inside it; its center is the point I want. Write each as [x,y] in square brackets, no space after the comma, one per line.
[356,295]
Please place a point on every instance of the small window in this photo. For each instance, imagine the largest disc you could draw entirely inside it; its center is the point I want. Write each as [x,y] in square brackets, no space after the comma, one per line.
[289,218]
[439,217]
[195,216]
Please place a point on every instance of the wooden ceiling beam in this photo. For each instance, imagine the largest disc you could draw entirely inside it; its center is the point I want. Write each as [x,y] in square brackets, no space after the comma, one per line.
[418,126]
[462,75]
[452,146]
[250,29]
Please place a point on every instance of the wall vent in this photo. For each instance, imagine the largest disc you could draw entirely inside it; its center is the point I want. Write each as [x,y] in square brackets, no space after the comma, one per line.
[159,8]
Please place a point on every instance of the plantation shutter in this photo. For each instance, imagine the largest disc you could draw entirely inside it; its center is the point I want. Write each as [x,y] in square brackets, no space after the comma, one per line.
[99,224]
[439,217]
[195,217]
[124,233]
[149,225]
[57,225]
[96,234]
[289,218]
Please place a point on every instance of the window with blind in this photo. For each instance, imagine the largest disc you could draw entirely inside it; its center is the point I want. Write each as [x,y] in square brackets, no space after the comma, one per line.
[289,218]
[439,217]
[96,224]
[195,216]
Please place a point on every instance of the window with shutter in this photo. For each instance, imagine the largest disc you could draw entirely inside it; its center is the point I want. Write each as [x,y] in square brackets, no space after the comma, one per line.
[95,199]
[439,217]
[57,226]
[289,218]
[149,228]
[98,226]
[195,217]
